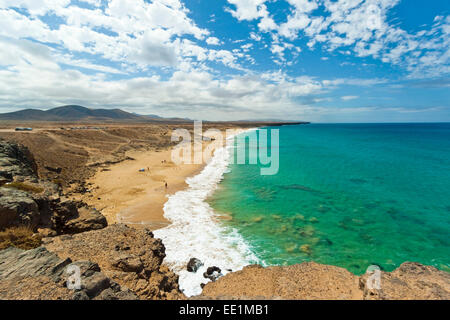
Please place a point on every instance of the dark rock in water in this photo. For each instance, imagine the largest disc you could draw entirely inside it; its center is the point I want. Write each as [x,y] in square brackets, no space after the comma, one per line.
[194,264]
[213,273]
[327,241]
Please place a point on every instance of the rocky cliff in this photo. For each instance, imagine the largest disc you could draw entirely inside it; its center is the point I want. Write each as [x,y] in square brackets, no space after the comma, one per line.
[115,262]
[131,257]
[25,200]
[311,280]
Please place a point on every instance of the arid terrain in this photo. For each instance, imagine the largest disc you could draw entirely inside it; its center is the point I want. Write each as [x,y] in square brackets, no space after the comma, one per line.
[61,188]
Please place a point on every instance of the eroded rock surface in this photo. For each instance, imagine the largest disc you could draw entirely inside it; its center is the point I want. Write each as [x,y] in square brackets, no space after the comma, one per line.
[410,281]
[132,258]
[40,274]
[311,280]
[27,200]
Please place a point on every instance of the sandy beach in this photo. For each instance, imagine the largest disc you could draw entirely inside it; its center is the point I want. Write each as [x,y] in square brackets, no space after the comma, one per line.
[124,194]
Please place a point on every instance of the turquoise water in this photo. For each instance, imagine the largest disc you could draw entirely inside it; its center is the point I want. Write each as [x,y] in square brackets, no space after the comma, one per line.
[349,195]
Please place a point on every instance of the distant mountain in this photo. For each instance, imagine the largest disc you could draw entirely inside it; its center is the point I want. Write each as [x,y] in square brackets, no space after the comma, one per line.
[71,113]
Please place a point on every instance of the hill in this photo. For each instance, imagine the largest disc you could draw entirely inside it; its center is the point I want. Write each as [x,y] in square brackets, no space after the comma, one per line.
[72,113]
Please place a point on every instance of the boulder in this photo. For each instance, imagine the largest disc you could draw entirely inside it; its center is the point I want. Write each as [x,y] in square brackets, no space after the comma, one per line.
[131,257]
[87,219]
[194,264]
[128,263]
[17,162]
[40,274]
[213,273]
[17,208]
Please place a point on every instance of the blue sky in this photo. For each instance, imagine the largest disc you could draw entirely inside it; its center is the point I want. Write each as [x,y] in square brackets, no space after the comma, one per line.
[316,60]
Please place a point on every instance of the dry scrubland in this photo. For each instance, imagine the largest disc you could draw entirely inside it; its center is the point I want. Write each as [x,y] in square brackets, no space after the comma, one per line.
[79,152]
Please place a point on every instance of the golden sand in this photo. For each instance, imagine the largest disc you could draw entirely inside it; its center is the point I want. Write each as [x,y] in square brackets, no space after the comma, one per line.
[124,194]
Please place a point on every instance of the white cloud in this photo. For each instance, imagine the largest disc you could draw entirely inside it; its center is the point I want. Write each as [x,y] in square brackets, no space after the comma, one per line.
[255,36]
[360,27]
[213,41]
[184,93]
[248,9]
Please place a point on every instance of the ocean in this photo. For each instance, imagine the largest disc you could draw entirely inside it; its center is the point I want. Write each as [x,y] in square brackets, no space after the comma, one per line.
[349,195]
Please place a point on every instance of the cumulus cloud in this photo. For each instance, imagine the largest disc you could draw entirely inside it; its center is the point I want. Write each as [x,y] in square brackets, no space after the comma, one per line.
[184,92]
[151,55]
[213,41]
[357,25]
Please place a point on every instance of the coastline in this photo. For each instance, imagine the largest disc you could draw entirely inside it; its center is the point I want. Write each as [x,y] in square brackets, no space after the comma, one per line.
[125,195]
[103,245]
[179,214]
[195,231]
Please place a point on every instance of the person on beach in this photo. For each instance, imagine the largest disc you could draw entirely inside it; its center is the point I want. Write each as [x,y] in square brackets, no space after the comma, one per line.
[165,184]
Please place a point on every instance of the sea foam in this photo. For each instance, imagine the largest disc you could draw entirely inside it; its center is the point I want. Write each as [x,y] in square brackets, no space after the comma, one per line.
[195,232]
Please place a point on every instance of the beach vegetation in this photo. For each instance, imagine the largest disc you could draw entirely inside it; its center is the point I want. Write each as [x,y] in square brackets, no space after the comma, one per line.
[21,237]
[24,187]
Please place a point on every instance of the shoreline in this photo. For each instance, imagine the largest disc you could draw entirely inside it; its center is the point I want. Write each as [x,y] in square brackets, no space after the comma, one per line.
[179,215]
[195,232]
[125,195]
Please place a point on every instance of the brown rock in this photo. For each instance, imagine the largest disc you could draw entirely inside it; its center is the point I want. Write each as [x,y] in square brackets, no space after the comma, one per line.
[138,268]
[40,274]
[311,280]
[303,281]
[410,281]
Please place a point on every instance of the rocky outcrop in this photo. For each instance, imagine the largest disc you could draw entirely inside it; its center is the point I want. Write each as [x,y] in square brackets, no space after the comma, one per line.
[193,265]
[16,162]
[212,273]
[410,281]
[26,200]
[71,217]
[17,208]
[132,258]
[311,280]
[39,274]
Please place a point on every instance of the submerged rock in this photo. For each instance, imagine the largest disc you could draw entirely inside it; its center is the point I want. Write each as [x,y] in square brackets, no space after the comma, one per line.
[306,248]
[194,264]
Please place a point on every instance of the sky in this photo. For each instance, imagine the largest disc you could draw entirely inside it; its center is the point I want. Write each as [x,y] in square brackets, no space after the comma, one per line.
[312,60]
